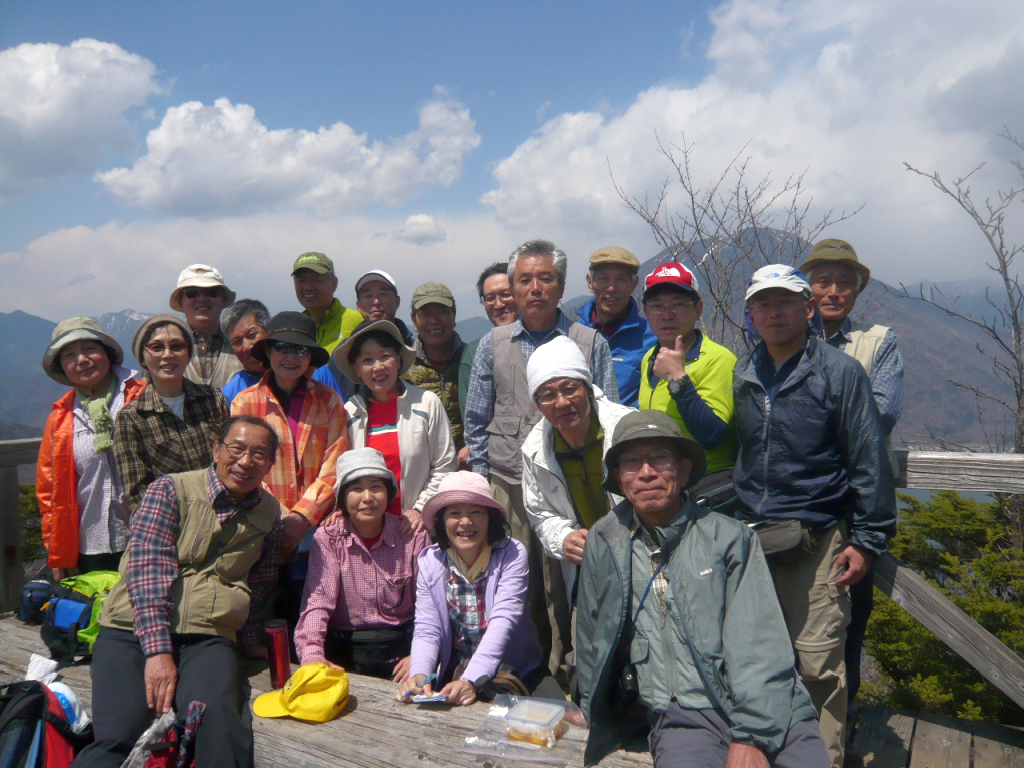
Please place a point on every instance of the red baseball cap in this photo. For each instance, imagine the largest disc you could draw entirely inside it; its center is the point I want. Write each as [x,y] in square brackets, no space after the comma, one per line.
[671,273]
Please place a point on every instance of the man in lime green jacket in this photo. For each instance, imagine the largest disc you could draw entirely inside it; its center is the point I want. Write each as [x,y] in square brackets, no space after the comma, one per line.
[686,374]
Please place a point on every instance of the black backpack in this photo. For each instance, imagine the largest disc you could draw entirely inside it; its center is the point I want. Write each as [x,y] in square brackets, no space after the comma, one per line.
[34,732]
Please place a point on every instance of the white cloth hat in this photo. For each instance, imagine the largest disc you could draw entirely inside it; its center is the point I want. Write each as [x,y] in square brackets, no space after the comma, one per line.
[200,276]
[778,276]
[556,359]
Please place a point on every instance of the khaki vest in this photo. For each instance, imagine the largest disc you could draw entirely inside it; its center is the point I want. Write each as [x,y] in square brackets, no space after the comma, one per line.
[211,594]
[865,339]
[515,413]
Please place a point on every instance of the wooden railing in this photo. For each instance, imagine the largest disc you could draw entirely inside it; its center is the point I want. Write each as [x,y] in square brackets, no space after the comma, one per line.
[981,472]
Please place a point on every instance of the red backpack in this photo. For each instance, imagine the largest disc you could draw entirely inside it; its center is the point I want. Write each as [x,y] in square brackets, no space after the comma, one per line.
[34,733]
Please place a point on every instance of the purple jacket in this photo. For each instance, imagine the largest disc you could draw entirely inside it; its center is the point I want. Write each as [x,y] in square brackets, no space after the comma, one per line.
[510,637]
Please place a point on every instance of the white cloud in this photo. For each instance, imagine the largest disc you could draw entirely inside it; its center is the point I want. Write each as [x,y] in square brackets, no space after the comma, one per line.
[420,229]
[62,109]
[848,90]
[220,159]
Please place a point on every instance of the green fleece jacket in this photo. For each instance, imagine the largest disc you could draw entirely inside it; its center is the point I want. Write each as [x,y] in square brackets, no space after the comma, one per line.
[729,614]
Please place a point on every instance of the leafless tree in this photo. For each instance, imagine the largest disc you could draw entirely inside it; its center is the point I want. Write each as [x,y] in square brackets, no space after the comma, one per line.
[727,229]
[1005,327]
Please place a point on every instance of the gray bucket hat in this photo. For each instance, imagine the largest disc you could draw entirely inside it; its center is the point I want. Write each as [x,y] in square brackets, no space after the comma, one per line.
[165,319]
[365,327]
[77,329]
[363,462]
[647,425]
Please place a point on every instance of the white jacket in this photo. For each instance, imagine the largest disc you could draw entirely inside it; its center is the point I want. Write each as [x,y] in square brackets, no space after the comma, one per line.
[545,493]
[425,445]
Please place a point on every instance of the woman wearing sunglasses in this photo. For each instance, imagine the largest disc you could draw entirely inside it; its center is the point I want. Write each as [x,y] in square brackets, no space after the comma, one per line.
[308,416]
[172,425]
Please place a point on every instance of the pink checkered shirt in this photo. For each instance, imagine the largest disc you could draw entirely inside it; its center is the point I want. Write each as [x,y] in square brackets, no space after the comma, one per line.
[351,587]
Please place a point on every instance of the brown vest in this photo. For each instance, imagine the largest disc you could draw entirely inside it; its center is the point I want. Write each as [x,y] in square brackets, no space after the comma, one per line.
[515,413]
[211,594]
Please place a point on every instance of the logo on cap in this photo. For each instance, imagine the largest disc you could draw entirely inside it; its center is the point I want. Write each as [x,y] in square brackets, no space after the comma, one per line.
[668,272]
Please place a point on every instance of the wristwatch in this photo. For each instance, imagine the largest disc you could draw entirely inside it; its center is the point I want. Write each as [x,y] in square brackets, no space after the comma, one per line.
[675,386]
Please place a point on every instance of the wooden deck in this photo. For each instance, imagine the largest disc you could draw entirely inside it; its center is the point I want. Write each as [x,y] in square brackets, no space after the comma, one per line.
[375,731]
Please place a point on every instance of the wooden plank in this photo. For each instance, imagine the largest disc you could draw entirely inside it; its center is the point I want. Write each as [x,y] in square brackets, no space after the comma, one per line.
[981,472]
[11,569]
[996,746]
[940,742]
[883,737]
[15,452]
[976,645]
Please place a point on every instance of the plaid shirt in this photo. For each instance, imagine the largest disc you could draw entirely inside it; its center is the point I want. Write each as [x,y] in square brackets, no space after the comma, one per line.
[351,587]
[466,610]
[480,398]
[302,477]
[150,441]
[886,374]
[153,563]
[443,382]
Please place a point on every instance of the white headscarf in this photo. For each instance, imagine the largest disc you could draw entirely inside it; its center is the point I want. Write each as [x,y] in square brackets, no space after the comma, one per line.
[556,359]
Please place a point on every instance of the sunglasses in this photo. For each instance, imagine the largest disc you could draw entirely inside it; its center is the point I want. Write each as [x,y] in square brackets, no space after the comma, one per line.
[195,293]
[290,349]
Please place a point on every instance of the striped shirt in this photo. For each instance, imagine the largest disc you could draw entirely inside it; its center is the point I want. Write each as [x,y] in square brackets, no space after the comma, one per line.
[153,563]
[382,435]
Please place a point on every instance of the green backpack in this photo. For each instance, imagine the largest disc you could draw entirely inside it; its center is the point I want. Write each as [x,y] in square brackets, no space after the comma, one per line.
[72,617]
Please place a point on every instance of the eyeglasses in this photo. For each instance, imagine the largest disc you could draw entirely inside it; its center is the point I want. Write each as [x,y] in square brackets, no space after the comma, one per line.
[158,347]
[550,396]
[494,298]
[659,459]
[195,293]
[785,304]
[675,307]
[259,456]
[290,349]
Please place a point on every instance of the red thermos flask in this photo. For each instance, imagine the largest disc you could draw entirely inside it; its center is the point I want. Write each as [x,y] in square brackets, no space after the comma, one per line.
[278,652]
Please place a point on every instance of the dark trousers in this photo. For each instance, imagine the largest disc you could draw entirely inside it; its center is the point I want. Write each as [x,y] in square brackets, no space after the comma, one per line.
[107,561]
[207,671]
[699,738]
[862,601]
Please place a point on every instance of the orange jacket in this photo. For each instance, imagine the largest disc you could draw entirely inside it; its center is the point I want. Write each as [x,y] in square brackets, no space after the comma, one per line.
[57,479]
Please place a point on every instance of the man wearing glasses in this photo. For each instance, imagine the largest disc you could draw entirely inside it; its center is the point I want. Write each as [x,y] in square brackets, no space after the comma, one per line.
[686,374]
[199,539]
[813,475]
[201,295]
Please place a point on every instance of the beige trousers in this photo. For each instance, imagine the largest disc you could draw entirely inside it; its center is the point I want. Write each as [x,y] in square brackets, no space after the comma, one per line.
[817,612]
[546,599]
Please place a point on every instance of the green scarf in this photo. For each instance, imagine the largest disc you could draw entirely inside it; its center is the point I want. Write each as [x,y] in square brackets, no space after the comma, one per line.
[98,410]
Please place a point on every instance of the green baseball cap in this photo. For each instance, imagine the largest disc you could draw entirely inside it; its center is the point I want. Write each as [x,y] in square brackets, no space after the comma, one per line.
[432,293]
[317,262]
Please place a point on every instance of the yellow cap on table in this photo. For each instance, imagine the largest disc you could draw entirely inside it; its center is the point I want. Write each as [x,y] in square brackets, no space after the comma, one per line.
[315,693]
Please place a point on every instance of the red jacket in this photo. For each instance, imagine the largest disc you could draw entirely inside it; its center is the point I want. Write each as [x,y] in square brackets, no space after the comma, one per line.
[57,479]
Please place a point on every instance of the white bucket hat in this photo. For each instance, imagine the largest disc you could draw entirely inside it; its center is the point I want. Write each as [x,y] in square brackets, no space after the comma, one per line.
[200,276]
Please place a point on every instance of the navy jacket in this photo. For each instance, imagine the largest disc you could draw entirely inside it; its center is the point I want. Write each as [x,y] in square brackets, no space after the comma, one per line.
[628,345]
[815,451]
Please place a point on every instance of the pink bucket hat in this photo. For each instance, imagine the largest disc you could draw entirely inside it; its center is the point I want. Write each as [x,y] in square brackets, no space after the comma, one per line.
[461,488]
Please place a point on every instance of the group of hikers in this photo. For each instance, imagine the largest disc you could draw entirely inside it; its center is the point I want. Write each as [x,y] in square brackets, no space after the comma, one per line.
[609,506]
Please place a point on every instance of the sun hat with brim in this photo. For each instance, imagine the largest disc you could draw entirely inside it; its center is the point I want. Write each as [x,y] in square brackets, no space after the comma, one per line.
[834,251]
[200,276]
[315,693]
[777,276]
[156,320]
[652,425]
[357,463]
[76,329]
[365,327]
[292,328]
[461,487]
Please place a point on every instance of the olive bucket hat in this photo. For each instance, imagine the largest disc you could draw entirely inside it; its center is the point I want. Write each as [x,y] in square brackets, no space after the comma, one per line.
[648,425]
[77,329]
[361,330]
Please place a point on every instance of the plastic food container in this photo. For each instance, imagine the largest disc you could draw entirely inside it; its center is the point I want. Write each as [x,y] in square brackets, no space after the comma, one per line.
[535,722]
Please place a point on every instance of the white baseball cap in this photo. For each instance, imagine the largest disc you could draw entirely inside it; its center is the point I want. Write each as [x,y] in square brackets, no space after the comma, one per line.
[378,275]
[777,276]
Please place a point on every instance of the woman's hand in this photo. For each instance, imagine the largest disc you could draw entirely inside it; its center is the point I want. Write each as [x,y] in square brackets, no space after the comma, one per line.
[412,520]
[413,686]
[460,692]
[401,670]
[58,573]
[322,660]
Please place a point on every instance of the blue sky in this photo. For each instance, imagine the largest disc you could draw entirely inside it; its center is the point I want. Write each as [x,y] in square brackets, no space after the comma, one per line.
[431,139]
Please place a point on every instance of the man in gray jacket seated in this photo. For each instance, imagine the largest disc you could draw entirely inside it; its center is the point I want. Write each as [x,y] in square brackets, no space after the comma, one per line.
[677,617]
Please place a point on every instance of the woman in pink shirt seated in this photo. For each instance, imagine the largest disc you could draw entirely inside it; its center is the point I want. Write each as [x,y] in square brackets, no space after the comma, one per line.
[472,629]
[358,604]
